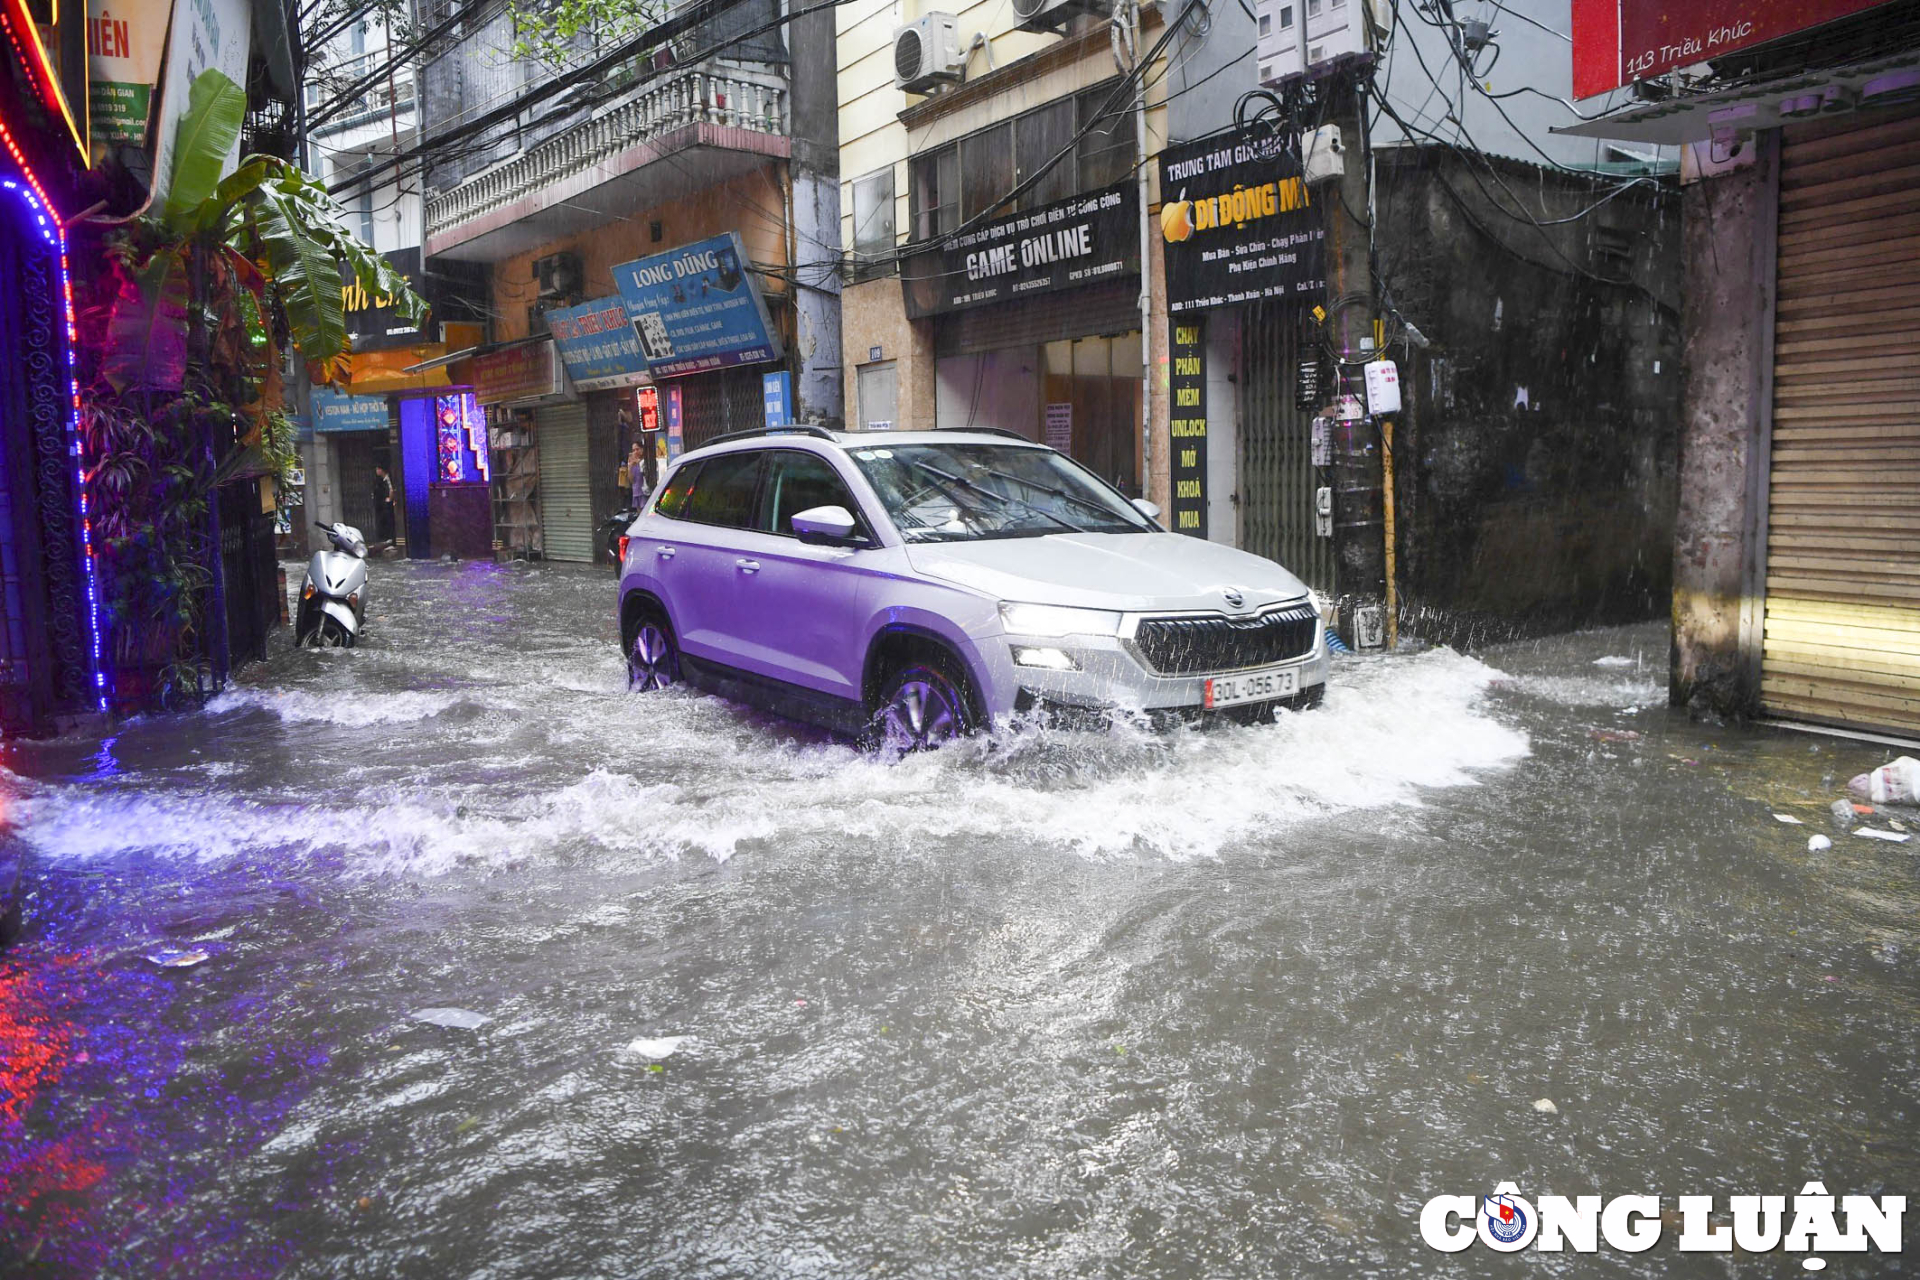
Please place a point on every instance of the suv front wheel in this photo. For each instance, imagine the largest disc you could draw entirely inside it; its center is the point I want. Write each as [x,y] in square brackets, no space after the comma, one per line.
[921,708]
[653,659]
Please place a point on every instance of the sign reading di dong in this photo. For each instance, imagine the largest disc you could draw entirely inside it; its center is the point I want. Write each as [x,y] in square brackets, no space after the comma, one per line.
[1239,224]
[1084,239]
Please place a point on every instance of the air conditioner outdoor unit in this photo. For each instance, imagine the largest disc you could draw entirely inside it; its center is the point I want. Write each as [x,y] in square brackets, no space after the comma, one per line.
[1051,15]
[559,277]
[926,52]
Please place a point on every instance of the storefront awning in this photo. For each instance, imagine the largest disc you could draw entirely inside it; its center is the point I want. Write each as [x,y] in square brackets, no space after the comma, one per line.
[1883,82]
[413,368]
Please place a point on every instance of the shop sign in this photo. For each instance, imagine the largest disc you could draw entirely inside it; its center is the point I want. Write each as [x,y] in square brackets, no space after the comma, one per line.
[1616,42]
[125,39]
[776,391]
[528,371]
[371,318]
[1082,240]
[207,35]
[1239,224]
[334,411]
[598,345]
[697,308]
[1059,429]
[1187,393]
[670,409]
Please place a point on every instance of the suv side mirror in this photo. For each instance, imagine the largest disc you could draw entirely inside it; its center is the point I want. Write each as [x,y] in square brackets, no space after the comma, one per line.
[1151,510]
[824,526]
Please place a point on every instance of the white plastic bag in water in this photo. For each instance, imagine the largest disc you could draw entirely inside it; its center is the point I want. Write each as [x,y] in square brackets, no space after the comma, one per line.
[1895,782]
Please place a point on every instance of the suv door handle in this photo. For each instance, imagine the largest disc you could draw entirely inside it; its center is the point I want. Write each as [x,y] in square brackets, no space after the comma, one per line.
[665,553]
[747,566]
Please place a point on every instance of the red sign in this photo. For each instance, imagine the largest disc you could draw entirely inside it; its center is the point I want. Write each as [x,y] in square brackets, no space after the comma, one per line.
[649,399]
[513,373]
[1616,42]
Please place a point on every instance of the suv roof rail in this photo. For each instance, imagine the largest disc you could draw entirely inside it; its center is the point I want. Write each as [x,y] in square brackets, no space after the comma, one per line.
[992,431]
[793,428]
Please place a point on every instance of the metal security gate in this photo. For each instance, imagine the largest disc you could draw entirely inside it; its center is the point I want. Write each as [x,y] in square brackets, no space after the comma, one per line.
[1277,478]
[1841,637]
[566,489]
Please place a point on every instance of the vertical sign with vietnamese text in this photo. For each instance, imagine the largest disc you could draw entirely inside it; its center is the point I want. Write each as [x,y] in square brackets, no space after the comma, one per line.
[776,392]
[1187,396]
[1060,427]
[670,407]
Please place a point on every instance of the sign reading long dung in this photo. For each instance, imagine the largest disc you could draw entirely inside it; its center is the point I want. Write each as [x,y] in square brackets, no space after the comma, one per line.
[1187,385]
[697,308]
[1084,239]
[1239,224]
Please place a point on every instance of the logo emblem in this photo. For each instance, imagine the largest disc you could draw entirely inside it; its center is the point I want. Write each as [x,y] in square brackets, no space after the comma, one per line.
[1506,1220]
[1234,598]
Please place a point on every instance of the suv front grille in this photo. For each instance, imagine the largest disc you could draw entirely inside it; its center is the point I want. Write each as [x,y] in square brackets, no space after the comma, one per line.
[1191,646]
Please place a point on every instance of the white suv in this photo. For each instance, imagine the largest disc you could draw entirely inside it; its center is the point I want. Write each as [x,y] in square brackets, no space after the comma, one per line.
[914,586]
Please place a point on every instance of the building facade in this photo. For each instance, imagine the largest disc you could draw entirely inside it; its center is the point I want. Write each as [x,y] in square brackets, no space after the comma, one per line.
[706,147]
[1796,583]
[966,308]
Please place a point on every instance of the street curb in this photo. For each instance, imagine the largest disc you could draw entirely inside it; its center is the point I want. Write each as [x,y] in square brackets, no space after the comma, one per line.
[13,888]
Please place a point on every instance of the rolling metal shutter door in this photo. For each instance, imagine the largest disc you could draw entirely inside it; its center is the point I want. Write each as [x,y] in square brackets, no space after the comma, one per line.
[566,494]
[1842,621]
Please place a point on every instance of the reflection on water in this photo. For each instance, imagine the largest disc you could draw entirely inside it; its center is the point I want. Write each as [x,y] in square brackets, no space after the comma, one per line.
[1230,1002]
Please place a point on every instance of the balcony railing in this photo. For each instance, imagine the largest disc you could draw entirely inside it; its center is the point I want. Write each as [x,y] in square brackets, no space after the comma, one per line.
[713,92]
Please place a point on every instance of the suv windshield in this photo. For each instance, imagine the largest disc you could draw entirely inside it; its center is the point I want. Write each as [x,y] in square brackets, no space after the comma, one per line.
[960,492]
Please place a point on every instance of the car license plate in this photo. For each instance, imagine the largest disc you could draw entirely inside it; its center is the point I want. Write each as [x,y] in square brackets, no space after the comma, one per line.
[1251,686]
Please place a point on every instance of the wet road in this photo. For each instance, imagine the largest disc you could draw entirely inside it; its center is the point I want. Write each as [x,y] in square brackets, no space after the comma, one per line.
[1228,1003]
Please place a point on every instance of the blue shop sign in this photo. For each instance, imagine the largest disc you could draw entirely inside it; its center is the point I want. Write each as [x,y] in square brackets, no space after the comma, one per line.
[697,308]
[333,411]
[777,391]
[598,344]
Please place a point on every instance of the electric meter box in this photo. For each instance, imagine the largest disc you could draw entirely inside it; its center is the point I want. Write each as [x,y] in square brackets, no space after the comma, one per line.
[1295,36]
[1383,387]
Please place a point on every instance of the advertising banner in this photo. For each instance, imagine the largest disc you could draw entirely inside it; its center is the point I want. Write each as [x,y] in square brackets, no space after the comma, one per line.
[525,371]
[1187,392]
[125,41]
[1616,42]
[1082,240]
[697,308]
[598,345]
[334,411]
[1239,224]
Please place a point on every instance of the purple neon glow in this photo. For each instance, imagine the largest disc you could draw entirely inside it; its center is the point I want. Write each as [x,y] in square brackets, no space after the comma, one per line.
[55,236]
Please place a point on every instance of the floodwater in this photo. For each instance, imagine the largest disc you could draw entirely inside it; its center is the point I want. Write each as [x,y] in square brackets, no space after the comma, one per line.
[1217,1003]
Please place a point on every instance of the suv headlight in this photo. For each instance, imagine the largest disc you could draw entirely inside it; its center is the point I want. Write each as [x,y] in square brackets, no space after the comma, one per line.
[1057,620]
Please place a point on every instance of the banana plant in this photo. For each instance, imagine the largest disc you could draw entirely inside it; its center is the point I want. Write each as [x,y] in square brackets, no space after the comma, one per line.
[200,285]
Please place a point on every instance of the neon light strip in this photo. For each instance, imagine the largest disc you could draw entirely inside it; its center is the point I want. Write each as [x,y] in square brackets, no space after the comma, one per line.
[47,83]
[48,224]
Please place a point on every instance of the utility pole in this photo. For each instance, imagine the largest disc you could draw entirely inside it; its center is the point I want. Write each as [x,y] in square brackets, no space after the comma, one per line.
[1359,525]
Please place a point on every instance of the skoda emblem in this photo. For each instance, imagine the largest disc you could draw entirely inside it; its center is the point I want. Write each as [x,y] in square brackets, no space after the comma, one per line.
[1234,598]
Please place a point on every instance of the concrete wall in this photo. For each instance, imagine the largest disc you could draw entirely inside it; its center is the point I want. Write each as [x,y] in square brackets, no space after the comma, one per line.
[1535,478]
[1729,248]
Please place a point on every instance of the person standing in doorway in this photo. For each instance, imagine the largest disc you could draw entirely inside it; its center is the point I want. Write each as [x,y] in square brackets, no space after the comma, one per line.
[636,470]
[383,526]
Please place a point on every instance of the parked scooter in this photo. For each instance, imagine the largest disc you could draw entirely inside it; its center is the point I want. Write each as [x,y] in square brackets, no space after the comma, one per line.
[333,595]
[614,528]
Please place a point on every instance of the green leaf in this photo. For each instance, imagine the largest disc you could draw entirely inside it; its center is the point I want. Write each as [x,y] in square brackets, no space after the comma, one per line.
[216,106]
[147,333]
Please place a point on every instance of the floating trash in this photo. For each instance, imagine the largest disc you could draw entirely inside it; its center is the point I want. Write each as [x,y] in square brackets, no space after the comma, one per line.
[178,957]
[465,1019]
